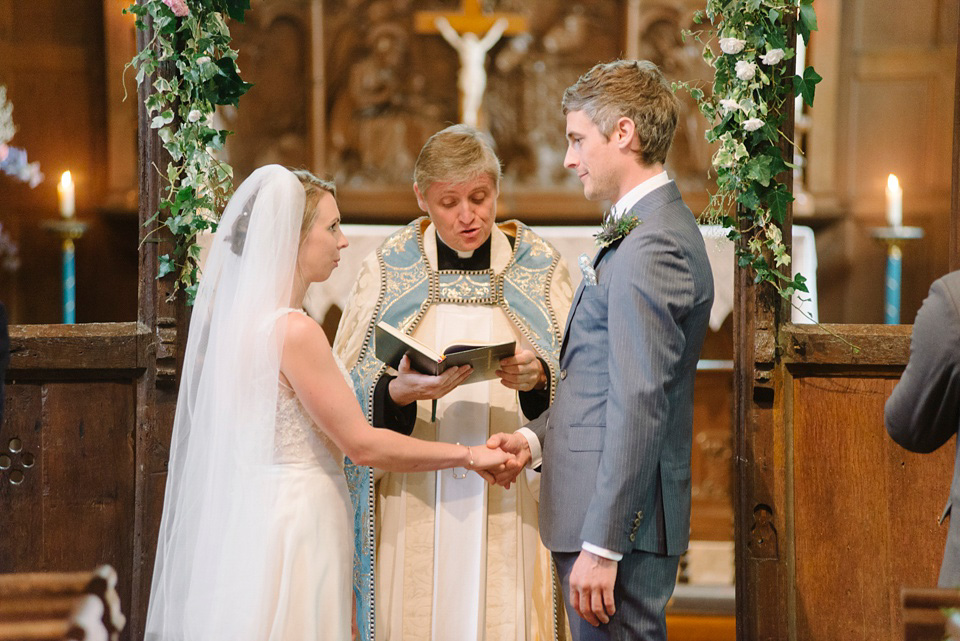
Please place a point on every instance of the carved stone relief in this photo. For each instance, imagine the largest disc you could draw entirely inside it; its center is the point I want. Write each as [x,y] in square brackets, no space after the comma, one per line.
[273,123]
[660,41]
[388,89]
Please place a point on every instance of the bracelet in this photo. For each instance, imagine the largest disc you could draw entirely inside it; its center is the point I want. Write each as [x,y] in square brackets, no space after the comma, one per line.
[470,464]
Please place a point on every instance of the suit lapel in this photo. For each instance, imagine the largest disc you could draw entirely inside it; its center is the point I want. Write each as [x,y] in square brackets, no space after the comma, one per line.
[645,207]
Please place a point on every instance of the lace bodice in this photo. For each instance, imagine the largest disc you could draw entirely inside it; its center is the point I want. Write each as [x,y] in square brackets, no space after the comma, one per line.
[298,439]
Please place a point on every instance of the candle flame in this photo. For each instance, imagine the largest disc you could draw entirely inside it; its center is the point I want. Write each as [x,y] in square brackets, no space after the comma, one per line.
[65,179]
[892,182]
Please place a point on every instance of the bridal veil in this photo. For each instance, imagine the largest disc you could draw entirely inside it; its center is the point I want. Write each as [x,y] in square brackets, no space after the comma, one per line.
[212,566]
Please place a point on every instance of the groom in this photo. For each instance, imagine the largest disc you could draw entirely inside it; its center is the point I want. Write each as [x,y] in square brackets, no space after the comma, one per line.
[615,488]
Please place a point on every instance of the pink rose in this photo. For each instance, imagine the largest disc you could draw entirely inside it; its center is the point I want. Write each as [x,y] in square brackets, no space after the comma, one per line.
[179,7]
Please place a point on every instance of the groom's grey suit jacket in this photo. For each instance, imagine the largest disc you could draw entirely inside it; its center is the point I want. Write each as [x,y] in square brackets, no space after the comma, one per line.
[616,442]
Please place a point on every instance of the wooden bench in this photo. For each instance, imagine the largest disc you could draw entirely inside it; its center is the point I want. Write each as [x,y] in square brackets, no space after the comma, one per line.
[37,606]
[924,612]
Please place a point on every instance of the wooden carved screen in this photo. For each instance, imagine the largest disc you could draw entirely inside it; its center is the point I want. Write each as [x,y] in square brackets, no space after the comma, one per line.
[83,448]
[832,517]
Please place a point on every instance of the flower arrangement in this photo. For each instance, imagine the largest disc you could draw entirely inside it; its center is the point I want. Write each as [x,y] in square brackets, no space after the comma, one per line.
[13,160]
[752,93]
[190,38]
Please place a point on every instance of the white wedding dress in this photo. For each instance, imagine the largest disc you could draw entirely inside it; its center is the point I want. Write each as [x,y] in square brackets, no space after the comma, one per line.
[256,536]
[312,530]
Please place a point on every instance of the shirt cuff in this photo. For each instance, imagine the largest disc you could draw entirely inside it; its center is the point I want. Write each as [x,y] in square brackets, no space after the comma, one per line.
[605,553]
[536,453]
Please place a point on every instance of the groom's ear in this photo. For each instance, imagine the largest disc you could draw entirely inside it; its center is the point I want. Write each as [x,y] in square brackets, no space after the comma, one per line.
[421,202]
[625,133]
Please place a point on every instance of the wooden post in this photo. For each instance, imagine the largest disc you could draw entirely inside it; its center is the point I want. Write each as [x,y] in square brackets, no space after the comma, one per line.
[165,319]
[954,258]
[759,514]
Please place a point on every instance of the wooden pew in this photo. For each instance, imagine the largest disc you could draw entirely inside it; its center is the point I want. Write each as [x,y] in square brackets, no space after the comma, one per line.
[924,617]
[37,606]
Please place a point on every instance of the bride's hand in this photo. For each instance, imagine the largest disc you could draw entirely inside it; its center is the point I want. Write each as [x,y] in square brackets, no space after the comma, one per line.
[486,460]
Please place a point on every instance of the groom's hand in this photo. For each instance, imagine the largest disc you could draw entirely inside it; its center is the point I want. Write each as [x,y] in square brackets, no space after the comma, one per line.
[591,587]
[410,385]
[514,444]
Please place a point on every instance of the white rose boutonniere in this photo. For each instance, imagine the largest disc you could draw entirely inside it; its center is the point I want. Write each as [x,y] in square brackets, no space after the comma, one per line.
[746,70]
[752,124]
[772,57]
[732,45]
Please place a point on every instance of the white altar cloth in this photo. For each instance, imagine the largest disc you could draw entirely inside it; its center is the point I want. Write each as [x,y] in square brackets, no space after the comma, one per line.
[571,242]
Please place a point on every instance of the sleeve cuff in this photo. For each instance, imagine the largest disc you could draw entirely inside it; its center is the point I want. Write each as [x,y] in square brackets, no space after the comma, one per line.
[535,451]
[599,551]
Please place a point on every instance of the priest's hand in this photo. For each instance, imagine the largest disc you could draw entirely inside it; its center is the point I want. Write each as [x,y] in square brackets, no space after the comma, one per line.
[514,444]
[523,371]
[591,587]
[410,385]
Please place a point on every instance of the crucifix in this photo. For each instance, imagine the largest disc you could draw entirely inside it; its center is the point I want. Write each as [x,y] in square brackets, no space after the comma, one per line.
[472,33]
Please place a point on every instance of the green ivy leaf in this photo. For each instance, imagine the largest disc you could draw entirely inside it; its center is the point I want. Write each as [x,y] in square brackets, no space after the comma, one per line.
[748,199]
[808,15]
[759,169]
[165,266]
[777,201]
[806,85]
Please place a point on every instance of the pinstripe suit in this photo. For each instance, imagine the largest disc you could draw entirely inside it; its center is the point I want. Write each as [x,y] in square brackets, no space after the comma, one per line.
[616,442]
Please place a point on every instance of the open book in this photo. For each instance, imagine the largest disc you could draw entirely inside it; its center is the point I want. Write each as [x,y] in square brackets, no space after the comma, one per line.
[391,344]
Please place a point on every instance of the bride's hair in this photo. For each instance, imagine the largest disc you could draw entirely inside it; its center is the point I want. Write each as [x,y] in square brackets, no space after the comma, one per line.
[314,188]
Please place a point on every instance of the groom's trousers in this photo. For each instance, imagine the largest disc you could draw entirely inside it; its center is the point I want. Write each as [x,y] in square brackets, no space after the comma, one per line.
[645,582]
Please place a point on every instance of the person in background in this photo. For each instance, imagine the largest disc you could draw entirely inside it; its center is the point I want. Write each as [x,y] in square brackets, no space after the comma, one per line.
[923,412]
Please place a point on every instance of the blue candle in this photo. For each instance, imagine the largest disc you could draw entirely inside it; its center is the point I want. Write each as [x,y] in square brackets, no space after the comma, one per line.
[894,273]
[69,283]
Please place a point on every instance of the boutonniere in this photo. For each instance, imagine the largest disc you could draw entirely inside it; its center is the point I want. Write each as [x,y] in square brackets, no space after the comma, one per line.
[613,229]
[589,275]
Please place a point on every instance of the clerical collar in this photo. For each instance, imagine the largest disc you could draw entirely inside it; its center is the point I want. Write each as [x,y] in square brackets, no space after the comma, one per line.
[449,258]
[633,196]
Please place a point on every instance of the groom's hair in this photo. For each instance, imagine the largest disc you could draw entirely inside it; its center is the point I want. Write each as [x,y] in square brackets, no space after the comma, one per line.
[635,89]
[456,155]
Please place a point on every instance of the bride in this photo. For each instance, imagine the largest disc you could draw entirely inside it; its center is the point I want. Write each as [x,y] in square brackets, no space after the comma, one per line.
[256,538]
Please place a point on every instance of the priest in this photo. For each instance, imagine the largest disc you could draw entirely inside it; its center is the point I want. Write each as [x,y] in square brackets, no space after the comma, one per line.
[442,555]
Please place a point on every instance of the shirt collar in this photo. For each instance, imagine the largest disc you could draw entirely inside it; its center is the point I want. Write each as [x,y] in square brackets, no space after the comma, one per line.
[633,196]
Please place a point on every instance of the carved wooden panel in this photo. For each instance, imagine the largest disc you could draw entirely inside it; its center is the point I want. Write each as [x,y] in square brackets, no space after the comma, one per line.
[67,478]
[273,123]
[865,511]
[885,106]
[712,457]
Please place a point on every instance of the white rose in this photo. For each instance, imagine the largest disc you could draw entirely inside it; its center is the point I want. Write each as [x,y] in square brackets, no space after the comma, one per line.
[752,124]
[729,105]
[732,45]
[746,70]
[202,60]
[772,57]
[194,115]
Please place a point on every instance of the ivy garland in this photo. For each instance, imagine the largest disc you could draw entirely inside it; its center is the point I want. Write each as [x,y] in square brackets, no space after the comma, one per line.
[191,39]
[752,93]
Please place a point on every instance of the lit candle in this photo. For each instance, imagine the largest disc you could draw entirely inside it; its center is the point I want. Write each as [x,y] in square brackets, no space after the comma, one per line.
[894,202]
[66,193]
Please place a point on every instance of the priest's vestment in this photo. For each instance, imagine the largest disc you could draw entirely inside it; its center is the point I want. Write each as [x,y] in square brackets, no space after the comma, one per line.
[440,556]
